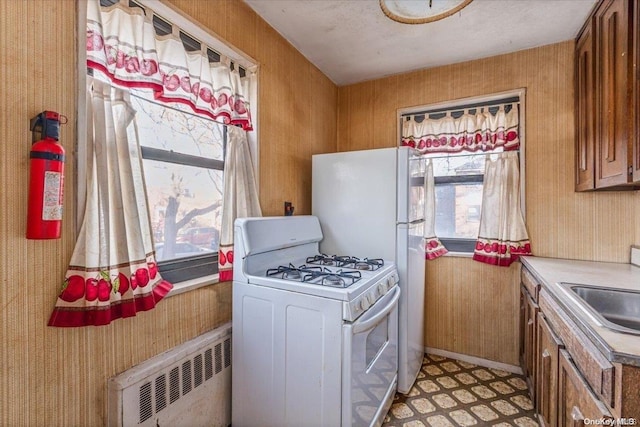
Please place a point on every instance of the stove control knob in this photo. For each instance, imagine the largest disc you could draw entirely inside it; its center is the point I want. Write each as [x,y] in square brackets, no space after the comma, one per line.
[365,304]
[382,288]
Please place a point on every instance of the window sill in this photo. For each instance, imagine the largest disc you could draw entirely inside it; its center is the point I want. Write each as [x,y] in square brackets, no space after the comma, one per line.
[190,285]
[459,254]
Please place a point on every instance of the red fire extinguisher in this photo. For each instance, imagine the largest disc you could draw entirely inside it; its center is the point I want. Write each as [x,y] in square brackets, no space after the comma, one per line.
[46,179]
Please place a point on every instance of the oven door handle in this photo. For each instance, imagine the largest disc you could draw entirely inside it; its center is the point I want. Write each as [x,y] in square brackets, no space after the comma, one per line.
[368,324]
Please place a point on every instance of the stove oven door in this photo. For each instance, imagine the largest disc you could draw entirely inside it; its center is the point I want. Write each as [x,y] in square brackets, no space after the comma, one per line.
[370,363]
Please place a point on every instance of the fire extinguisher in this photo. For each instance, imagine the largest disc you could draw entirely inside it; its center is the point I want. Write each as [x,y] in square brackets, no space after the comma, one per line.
[46,179]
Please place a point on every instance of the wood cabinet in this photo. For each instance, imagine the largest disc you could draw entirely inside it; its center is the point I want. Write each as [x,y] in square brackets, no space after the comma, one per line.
[585,113]
[576,402]
[529,337]
[548,354]
[528,325]
[606,135]
[635,76]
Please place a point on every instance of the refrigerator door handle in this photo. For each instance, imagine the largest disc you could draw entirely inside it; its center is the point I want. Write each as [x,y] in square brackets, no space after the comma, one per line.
[416,221]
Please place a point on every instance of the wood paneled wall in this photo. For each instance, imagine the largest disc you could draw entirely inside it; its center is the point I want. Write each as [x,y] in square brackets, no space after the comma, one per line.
[57,376]
[561,223]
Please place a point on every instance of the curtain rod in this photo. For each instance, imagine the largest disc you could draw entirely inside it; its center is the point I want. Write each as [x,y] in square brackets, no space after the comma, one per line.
[456,108]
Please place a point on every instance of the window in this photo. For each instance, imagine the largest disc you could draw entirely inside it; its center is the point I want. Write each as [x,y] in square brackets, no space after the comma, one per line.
[459,174]
[183,153]
[458,183]
[183,162]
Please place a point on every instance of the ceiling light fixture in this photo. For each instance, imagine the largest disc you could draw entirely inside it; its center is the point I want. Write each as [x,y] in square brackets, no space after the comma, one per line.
[421,11]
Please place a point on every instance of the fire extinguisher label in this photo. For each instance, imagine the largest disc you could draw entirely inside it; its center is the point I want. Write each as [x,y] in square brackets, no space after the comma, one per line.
[52,198]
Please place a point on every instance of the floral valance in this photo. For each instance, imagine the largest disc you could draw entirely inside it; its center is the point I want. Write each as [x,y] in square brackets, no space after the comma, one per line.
[475,130]
[122,43]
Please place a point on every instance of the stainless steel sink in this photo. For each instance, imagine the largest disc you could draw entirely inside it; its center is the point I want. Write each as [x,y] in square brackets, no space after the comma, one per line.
[616,309]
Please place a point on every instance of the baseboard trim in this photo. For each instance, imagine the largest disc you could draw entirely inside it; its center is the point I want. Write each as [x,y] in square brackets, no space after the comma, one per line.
[475,360]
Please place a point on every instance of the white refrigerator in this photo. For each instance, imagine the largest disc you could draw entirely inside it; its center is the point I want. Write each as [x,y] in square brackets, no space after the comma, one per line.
[371,204]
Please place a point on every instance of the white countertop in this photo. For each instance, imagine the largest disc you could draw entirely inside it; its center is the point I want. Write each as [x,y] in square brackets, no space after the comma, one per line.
[616,346]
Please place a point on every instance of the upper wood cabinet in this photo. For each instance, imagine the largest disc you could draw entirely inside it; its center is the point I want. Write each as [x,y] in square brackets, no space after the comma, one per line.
[606,135]
[585,113]
[635,75]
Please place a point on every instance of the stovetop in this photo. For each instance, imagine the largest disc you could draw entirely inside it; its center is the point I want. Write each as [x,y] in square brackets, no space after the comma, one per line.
[327,270]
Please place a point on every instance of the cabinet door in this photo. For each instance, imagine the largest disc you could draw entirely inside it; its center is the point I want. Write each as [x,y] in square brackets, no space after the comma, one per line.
[612,108]
[576,401]
[528,335]
[547,373]
[585,117]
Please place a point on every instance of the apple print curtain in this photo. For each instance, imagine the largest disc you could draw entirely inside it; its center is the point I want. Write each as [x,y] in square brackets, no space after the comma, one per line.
[433,247]
[475,130]
[240,196]
[113,271]
[503,236]
[122,43]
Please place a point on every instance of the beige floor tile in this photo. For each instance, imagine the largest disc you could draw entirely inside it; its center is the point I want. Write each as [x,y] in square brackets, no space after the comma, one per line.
[447,382]
[450,367]
[518,383]
[483,374]
[444,401]
[401,410]
[483,392]
[464,396]
[423,406]
[501,387]
[484,413]
[523,402]
[463,418]
[505,407]
[439,421]
[414,423]
[466,379]
[526,422]
[428,386]
[432,370]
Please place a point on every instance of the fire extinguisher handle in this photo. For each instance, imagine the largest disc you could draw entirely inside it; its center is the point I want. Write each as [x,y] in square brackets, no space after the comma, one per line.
[47,124]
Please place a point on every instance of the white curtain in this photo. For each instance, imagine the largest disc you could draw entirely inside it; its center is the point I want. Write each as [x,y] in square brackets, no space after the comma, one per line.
[240,196]
[113,271]
[503,236]
[122,43]
[433,247]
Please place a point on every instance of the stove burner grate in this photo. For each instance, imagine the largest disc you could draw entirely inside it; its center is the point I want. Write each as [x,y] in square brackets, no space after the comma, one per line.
[346,261]
[291,272]
[338,279]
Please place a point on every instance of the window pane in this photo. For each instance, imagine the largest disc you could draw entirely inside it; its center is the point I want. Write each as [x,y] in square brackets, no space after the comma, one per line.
[185,204]
[176,128]
[458,210]
[455,164]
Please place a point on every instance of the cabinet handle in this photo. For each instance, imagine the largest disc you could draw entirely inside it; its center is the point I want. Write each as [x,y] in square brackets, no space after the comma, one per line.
[577,417]
[546,380]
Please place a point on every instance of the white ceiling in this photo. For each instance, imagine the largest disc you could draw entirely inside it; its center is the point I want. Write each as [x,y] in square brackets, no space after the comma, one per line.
[352,40]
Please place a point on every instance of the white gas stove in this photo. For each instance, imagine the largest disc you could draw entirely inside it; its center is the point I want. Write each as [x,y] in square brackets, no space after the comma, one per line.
[311,332]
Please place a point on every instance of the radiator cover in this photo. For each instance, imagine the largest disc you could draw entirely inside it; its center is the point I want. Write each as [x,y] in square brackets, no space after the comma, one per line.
[189,385]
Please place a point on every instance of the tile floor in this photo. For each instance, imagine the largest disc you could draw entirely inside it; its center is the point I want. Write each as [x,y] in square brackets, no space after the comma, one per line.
[451,393]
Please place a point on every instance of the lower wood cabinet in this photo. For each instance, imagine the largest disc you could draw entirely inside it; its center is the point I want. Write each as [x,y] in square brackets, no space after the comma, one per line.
[548,354]
[577,405]
[529,312]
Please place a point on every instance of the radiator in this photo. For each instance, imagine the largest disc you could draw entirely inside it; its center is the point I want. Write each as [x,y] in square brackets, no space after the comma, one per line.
[189,385]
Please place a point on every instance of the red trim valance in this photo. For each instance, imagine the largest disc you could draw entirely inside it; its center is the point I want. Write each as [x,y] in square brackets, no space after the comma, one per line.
[123,45]
[478,131]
